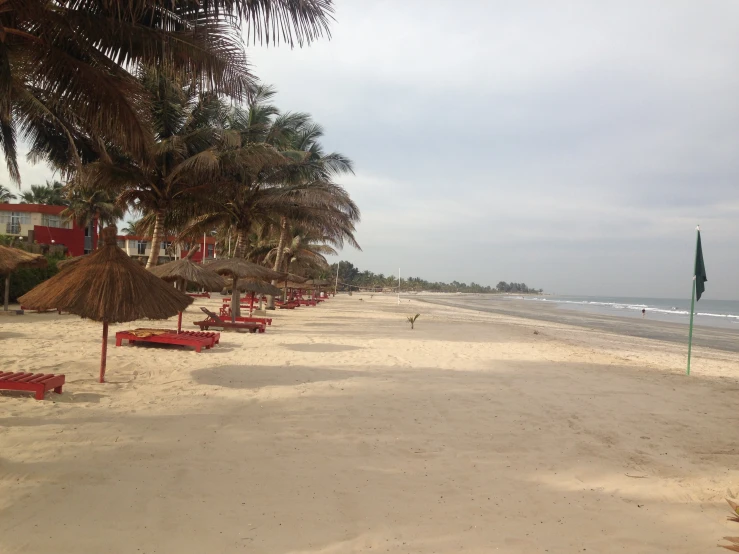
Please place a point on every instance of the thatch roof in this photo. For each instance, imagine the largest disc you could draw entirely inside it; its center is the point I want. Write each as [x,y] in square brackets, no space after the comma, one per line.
[241,269]
[318,282]
[257,287]
[293,285]
[69,262]
[108,286]
[14,258]
[191,272]
[292,278]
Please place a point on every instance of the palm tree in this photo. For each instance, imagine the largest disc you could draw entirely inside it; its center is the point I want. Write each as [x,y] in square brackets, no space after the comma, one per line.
[188,126]
[131,227]
[319,166]
[87,206]
[51,194]
[6,197]
[65,66]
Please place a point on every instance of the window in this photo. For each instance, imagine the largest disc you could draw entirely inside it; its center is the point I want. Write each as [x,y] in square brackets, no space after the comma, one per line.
[14,220]
[121,243]
[165,245]
[141,248]
[210,250]
[54,221]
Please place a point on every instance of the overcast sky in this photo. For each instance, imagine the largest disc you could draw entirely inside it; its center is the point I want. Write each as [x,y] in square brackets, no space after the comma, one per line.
[570,145]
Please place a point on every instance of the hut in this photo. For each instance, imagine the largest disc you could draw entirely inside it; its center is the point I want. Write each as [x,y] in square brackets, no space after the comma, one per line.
[109,287]
[185,271]
[239,268]
[12,259]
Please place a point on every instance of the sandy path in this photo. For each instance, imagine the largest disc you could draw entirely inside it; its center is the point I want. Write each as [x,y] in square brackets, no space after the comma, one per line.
[340,430]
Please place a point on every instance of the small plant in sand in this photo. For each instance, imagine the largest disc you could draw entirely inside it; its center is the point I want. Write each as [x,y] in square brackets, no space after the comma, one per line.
[412,319]
[734,541]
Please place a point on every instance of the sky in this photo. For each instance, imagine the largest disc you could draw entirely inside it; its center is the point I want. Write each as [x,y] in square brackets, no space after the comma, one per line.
[573,146]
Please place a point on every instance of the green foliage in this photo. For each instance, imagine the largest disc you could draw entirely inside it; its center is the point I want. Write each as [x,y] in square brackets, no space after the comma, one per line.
[23,280]
[6,197]
[412,319]
[51,194]
[351,277]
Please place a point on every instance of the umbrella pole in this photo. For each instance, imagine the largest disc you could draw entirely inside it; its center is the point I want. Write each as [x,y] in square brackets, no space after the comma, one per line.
[104,355]
[7,292]
[179,323]
[251,304]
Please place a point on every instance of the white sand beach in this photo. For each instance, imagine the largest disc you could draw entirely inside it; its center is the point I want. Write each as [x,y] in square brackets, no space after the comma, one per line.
[341,430]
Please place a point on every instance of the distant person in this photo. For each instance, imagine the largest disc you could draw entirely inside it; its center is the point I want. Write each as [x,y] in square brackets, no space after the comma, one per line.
[643,312]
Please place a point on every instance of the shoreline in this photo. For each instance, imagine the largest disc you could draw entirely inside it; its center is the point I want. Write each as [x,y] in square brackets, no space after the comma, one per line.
[718,338]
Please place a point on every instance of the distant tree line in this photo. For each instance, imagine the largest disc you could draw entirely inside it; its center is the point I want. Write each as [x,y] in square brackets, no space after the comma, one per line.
[350,277]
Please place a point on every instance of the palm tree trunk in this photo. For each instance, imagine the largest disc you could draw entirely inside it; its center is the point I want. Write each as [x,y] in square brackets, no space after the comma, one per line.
[156,239]
[235,297]
[278,257]
[7,292]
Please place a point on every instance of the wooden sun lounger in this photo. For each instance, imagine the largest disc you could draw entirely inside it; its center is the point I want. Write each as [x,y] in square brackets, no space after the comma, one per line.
[198,340]
[198,294]
[25,309]
[225,313]
[33,382]
[214,320]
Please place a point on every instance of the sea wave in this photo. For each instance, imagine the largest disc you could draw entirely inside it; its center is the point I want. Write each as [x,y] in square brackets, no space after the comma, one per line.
[636,307]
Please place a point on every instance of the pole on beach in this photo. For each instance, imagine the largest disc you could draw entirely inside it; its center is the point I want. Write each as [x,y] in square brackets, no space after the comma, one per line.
[692,300]
[398,285]
[336,284]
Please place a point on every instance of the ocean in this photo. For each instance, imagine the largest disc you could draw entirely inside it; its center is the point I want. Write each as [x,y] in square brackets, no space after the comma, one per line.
[711,312]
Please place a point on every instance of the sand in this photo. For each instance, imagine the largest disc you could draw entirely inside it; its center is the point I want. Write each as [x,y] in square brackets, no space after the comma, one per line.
[341,430]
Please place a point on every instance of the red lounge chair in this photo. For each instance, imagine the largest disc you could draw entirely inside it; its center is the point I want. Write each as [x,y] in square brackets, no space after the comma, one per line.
[214,320]
[183,338]
[307,302]
[198,294]
[33,382]
[225,313]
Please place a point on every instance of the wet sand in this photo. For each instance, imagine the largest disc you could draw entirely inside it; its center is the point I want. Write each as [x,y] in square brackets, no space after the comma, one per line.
[709,337]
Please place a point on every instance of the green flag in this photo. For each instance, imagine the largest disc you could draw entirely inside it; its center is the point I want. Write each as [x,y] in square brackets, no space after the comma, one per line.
[700,270]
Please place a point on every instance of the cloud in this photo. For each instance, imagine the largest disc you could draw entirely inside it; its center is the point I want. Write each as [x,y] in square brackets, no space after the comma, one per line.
[572,146]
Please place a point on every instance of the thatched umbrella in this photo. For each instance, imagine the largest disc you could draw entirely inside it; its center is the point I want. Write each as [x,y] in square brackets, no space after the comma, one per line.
[69,262]
[239,268]
[12,259]
[110,287]
[257,287]
[185,270]
[318,283]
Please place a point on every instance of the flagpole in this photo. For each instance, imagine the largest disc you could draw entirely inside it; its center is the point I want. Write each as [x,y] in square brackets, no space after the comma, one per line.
[692,301]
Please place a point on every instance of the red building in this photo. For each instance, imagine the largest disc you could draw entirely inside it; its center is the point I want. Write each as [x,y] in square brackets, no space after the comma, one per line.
[43,224]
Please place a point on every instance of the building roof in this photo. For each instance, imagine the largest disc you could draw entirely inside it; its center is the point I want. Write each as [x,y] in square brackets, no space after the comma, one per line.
[32,208]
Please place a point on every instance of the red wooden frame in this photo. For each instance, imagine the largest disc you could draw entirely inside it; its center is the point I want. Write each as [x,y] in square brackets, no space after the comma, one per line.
[38,383]
[184,338]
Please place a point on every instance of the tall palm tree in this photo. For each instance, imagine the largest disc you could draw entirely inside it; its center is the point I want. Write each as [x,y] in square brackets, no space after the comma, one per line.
[65,66]
[6,197]
[51,194]
[87,206]
[183,159]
